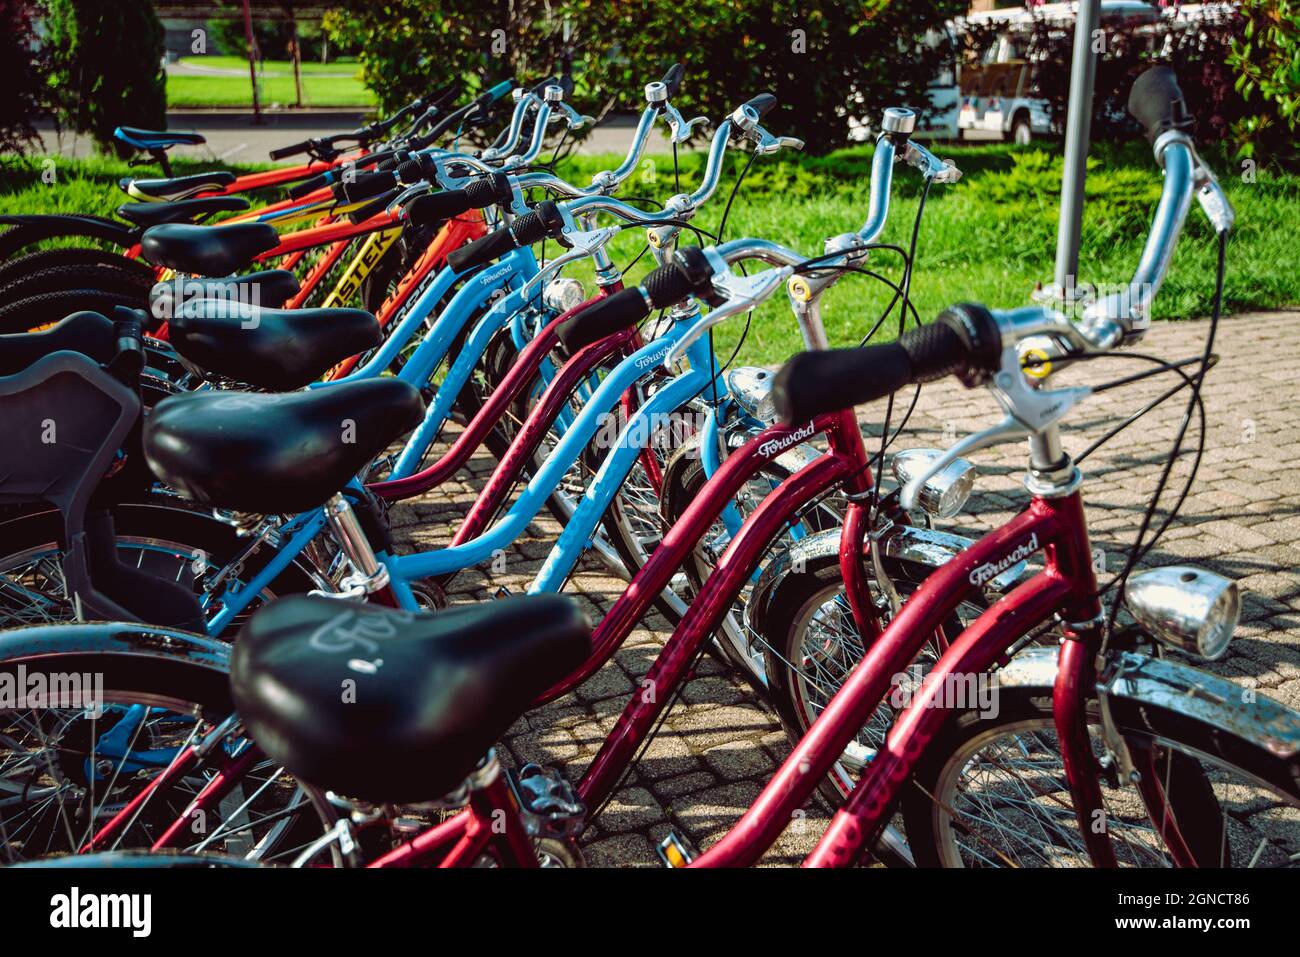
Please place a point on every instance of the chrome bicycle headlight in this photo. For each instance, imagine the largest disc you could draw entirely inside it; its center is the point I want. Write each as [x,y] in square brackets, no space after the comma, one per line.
[943,495]
[1186,607]
[751,387]
[562,294]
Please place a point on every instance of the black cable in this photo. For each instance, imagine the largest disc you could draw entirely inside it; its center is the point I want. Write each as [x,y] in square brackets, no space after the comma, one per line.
[726,212]
[1134,417]
[885,438]
[1194,404]
[637,259]
[700,232]
[810,265]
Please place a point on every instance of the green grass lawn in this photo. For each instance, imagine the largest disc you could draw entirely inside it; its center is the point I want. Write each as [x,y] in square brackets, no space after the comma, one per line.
[276,85]
[989,238]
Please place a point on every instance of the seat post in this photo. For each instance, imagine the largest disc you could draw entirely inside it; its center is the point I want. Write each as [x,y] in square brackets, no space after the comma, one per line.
[160,155]
[369,574]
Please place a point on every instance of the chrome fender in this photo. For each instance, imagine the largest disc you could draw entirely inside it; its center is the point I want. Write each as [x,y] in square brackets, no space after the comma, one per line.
[1164,696]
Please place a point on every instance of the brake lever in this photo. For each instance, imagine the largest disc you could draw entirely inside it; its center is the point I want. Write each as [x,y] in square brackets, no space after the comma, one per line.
[931,167]
[582,243]
[1213,200]
[405,196]
[575,119]
[742,293]
[680,129]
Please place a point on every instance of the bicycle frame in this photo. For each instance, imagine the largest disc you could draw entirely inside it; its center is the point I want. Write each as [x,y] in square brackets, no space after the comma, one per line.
[1066,585]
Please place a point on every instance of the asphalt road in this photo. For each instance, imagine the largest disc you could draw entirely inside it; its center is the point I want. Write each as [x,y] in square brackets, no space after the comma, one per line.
[233,137]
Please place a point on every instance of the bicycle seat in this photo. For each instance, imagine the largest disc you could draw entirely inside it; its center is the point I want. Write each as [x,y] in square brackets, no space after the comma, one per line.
[276,349]
[433,692]
[175,187]
[180,211]
[207,250]
[271,288]
[276,453]
[156,139]
[86,332]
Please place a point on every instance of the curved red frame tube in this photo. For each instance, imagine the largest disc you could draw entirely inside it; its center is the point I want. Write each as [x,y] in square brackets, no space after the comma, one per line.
[521,373]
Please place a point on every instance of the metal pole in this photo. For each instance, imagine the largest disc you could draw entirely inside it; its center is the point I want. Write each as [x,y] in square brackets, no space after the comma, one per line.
[1083,74]
[252,68]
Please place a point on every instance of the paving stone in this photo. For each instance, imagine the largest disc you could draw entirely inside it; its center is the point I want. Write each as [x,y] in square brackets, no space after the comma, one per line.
[719,744]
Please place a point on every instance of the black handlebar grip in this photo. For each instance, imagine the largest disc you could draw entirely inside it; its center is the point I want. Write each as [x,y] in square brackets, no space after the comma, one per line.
[410,172]
[762,104]
[483,250]
[667,285]
[544,222]
[443,96]
[964,341]
[365,186]
[813,383]
[619,311]
[489,191]
[375,208]
[309,186]
[433,208]
[673,79]
[285,151]
[1157,103]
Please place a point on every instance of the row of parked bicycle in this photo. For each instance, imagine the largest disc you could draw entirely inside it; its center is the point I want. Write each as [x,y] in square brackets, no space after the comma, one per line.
[215,652]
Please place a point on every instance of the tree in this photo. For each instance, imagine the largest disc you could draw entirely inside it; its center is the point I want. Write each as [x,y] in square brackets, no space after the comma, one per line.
[106,66]
[22,72]
[823,59]
[1266,57]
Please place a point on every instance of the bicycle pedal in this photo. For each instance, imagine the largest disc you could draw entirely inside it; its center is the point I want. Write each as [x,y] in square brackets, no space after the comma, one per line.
[674,851]
[548,802]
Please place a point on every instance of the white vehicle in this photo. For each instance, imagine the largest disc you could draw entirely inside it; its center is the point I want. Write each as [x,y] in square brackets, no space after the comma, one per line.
[995,94]
[992,95]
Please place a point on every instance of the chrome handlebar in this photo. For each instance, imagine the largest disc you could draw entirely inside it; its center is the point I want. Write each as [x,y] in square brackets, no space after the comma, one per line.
[1031,409]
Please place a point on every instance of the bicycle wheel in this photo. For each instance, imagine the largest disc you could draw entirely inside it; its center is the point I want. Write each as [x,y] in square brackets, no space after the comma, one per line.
[990,791]
[66,771]
[134,271]
[45,309]
[684,481]
[162,537]
[810,644]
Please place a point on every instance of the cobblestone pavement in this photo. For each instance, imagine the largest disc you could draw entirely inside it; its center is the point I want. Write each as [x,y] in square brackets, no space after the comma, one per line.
[720,744]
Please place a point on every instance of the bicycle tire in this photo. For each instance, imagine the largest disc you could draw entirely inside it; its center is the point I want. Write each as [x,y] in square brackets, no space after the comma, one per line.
[1190,751]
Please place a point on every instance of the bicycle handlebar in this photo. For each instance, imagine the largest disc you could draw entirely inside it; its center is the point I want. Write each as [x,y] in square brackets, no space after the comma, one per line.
[687,273]
[970,340]
[964,341]
[543,222]
[433,208]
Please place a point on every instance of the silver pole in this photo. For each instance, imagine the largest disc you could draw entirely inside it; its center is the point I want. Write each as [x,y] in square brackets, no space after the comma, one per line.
[1083,74]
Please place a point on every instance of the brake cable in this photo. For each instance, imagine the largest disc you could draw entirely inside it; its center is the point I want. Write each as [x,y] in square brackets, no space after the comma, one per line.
[1194,403]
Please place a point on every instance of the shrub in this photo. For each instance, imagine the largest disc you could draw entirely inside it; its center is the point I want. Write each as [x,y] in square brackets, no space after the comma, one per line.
[106,66]
[824,59]
[1266,57]
[22,70]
